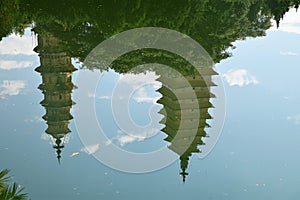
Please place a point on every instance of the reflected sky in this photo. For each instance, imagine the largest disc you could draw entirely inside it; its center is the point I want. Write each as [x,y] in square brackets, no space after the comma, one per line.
[256,156]
[112,89]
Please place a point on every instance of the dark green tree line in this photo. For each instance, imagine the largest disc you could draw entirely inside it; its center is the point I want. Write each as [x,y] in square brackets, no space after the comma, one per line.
[215,24]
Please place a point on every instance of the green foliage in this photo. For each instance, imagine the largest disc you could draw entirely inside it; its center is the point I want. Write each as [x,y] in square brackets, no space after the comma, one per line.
[129,62]
[10,192]
[4,179]
[277,8]
[12,19]
[215,24]
[82,25]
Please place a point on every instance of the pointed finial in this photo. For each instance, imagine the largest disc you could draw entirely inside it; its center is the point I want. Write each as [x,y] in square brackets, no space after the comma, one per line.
[58,155]
[58,148]
[183,174]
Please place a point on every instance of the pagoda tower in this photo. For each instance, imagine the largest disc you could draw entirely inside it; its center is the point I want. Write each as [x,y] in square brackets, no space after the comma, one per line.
[56,71]
[182,111]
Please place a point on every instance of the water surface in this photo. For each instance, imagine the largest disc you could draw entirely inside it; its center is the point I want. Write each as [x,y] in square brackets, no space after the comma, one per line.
[256,156]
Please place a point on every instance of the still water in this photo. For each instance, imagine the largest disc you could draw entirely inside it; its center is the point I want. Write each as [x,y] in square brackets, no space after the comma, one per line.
[239,140]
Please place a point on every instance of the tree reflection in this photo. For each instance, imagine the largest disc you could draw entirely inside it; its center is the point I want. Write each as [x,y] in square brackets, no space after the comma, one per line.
[215,24]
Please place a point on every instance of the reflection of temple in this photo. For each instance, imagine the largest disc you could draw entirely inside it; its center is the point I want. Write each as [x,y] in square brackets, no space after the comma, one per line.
[56,71]
[185,139]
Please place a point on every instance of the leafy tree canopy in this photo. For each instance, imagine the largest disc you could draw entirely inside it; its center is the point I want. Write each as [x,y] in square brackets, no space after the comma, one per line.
[82,25]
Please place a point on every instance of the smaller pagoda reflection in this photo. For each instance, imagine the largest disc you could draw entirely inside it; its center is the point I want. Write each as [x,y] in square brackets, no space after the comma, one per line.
[184,112]
[56,71]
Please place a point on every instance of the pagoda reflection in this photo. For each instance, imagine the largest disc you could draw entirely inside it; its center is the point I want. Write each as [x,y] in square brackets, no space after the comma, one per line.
[186,97]
[56,71]
[185,117]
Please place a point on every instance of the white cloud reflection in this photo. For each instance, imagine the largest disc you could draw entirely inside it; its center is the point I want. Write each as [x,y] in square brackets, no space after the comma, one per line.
[91,95]
[137,83]
[137,80]
[295,119]
[90,149]
[288,53]
[124,139]
[11,88]
[46,137]
[143,96]
[240,77]
[104,97]
[13,64]
[290,22]
[15,44]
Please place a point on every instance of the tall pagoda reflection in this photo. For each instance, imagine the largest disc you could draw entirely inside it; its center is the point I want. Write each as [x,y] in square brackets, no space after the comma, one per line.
[186,95]
[56,71]
[185,139]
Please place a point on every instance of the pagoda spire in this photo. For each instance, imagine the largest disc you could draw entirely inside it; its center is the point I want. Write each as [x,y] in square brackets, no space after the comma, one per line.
[58,148]
[56,71]
[184,161]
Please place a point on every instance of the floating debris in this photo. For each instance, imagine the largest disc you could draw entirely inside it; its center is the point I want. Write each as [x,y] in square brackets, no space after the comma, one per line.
[74,154]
